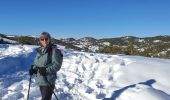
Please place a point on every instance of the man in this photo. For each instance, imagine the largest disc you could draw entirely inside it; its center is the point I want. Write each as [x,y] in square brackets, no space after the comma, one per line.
[46,64]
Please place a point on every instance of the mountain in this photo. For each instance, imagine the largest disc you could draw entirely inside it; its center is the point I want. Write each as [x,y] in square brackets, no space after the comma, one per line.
[6,39]
[158,46]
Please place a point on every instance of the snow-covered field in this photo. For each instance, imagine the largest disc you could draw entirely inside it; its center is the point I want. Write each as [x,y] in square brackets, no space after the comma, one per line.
[86,76]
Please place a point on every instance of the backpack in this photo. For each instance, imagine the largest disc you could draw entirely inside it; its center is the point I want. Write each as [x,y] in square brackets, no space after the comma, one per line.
[59,53]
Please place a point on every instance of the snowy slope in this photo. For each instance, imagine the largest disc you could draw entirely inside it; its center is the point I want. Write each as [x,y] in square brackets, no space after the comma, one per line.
[86,76]
[8,40]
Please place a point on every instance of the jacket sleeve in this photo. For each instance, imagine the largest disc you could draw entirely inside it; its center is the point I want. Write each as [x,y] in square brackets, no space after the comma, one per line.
[35,61]
[55,65]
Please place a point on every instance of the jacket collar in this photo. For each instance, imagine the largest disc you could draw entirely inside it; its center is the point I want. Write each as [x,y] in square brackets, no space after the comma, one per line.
[43,50]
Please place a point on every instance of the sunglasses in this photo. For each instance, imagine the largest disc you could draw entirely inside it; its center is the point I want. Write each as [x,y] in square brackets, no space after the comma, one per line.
[44,39]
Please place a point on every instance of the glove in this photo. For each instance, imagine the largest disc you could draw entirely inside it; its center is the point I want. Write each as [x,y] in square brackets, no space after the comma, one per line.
[42,71]
[32,71]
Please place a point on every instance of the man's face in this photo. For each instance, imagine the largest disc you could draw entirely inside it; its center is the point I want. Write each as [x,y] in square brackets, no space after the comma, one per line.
[44,41]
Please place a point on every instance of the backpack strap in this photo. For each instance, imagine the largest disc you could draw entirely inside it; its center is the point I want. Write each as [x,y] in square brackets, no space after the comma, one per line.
[59,54]
[52,49]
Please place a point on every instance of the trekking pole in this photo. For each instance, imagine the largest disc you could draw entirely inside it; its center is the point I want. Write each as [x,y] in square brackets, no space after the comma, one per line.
[51,87]
[29,87]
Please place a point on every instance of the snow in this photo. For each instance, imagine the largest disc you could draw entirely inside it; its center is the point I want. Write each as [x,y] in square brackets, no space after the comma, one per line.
[156,41]
[106,43]
[16,57]
[93,48]
[86,76]
[141,40]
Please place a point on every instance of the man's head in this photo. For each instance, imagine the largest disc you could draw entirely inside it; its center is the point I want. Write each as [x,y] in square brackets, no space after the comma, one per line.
[45,35]
[45,39]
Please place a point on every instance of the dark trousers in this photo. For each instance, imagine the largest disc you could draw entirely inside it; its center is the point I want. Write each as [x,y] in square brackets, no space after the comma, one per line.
[46,92]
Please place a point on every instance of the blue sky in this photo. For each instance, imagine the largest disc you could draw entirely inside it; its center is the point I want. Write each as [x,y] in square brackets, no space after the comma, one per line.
[82,18]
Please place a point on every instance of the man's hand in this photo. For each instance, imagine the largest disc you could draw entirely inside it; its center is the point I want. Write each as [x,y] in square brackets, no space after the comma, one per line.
[32,71]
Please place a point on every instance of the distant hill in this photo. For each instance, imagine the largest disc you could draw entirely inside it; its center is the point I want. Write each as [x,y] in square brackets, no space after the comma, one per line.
[158,46]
